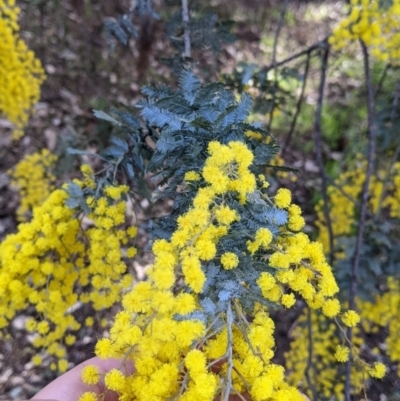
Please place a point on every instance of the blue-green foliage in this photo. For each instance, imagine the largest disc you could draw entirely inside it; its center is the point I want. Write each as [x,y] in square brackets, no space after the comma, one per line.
[76,197]
[185,121]
[271,93]
[189,118]
[206,30]
[124,159]
[182,123]
[121,28]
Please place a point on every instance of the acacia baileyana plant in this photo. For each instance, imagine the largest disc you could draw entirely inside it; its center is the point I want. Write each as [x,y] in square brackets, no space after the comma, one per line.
[230,252]
[378,296]
[53,266]
[21,73]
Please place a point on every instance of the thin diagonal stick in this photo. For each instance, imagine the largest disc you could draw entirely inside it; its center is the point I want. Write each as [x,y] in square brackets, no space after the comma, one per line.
[310,357]
[318,45]
[277,33]
[395,155]
[229,322]
[318,147]
[298,105]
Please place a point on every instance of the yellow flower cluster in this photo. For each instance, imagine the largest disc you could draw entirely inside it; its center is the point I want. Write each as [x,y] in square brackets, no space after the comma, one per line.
[384,312]
[200,228]
[302,268]
[375,24]
[176,355]
[34,179]
[347,190]
[227,169]
[21,74]
[326,368]
[54,266]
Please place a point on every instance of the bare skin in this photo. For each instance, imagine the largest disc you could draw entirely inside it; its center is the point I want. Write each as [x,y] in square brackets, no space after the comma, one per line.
[69,386]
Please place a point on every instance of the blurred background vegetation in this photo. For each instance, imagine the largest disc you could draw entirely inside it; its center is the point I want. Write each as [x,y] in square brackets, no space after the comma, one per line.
[87,70]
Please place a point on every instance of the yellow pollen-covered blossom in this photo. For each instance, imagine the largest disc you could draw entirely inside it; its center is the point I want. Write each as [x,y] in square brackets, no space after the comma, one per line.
[195,361]
[263,237]
[90,374]
[288,300]
[283,198]
[191,268]
[378,371]
[350,318]
[279,260]
[342,353]
[229,260]
[296,223]
[205,249]
[116,192]
[62,365]
[43,327]
[192,176]
[114,380]
[88,396]
[331,308]
[262,388]
[266,281]
[37,360]
[225,215]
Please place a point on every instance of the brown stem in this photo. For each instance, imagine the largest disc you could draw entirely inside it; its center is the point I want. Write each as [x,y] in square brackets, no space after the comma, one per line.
[186,30]
[298,105]
[321,44]
[364,203]
[310,357]
[274,66]
[318,147]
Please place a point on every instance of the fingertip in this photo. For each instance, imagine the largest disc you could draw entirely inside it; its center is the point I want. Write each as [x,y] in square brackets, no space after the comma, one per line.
[69,386]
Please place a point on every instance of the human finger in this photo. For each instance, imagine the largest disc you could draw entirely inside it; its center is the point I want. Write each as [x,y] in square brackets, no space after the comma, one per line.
[69,386]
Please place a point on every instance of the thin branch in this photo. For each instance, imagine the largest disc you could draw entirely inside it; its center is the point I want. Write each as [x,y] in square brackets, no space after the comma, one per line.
[274,66]
[321,44]
[298,105]
[229,322]
[318,147]
[186,30]
[395,155]
[255,352]
[382,80]
[310,357]
[243,380]
[395,102]
[364,203]
[240,396]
